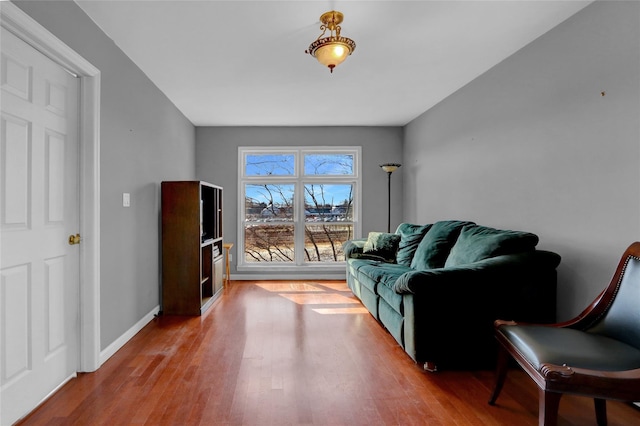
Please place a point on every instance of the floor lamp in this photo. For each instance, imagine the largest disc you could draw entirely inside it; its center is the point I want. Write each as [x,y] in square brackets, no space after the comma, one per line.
[389,168]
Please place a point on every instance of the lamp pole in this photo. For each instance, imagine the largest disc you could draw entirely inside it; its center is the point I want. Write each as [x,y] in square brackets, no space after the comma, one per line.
[389,168]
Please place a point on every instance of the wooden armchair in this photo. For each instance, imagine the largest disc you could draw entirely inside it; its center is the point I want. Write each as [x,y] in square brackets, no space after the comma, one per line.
[596,354]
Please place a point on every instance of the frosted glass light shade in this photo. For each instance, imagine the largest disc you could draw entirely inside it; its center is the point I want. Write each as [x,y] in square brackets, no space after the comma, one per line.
[332,54]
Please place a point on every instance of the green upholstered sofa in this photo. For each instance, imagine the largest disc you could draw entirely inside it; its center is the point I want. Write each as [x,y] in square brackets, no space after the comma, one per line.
[438,288]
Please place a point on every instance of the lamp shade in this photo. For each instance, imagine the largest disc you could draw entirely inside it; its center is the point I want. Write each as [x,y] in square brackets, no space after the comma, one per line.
[390,167]
[329,55]
[332,54]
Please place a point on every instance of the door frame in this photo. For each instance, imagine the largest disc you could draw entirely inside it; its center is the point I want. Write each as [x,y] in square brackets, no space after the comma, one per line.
[29,30]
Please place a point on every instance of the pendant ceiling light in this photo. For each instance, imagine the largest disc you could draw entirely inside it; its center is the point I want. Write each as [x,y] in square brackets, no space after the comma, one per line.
[331,51]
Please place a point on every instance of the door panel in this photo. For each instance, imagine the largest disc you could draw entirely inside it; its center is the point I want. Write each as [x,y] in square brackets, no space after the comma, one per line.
[16,147]
[39,209]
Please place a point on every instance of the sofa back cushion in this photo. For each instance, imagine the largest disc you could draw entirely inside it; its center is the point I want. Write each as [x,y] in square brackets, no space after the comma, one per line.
[410,237]
[433,250]
[480,242]
[382,244]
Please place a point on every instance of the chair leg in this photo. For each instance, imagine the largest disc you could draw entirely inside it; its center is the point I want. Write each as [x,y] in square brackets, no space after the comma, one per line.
[548,408]
[601,411]
[501,373]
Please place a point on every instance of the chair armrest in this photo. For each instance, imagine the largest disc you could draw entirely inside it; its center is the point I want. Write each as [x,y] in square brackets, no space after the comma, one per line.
[558,372]
[352,247]
[621,385]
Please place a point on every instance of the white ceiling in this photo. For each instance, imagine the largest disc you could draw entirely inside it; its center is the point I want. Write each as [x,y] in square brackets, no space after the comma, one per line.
[242,63]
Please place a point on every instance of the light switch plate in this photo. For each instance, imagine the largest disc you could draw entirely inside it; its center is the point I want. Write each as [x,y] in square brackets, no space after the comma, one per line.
[126,199]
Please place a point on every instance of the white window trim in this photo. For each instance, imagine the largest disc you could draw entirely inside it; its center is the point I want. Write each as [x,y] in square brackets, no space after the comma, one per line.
[299,179]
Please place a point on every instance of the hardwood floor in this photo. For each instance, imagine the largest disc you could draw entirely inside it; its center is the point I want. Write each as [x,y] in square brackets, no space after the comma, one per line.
[290,353]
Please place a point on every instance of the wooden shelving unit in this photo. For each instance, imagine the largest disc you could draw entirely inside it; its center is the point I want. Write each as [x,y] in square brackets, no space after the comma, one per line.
[192,255]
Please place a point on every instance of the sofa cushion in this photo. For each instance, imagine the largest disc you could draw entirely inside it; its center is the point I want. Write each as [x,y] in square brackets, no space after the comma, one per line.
[392,320]
[368,256]
[386,287]
[356,264]
[387,293]
[410,237]
[480,242]
[382,244]
[433,250]
[364,272]
[370,274]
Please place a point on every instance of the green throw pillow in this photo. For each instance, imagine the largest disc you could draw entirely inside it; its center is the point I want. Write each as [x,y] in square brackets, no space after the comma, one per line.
[382,244]
[410,237]
[480,242]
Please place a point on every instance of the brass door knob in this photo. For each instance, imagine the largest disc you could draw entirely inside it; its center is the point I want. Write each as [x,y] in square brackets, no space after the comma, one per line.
[74,239]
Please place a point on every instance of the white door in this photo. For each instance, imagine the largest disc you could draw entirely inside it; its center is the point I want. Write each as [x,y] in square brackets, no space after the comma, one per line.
[39,209]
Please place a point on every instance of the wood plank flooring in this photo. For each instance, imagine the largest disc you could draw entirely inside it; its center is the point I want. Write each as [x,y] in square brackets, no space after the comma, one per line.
[290,353]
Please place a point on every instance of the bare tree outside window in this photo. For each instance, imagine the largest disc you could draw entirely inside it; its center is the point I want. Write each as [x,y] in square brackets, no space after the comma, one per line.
[330,218]
[268,237]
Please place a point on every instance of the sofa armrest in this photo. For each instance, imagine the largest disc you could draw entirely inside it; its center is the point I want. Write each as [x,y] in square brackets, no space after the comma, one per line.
[352,247]
[449,310]
[496,269]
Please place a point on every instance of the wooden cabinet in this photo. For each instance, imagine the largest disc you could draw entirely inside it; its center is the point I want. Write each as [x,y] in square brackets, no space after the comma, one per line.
[192,251]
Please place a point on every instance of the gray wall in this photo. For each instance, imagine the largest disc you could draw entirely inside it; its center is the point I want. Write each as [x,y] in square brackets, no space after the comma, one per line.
[533,145]
[144,140]
[529,145]
[217,163]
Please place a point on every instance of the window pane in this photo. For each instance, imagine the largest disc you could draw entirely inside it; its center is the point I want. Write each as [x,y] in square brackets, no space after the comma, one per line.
[269,165]
[328,202]
[323,242]
[268,243]
[328,164]
[269,202]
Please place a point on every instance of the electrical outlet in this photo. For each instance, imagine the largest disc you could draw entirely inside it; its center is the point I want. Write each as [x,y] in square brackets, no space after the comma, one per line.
[230,257]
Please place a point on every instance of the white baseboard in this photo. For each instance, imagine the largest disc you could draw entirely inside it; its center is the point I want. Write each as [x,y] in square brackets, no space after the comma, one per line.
[122,340]
[289,276]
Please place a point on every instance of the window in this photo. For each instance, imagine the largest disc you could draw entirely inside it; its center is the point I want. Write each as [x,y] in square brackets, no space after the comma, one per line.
[297,205]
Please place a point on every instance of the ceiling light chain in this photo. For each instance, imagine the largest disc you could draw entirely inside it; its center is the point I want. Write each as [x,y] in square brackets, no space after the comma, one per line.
[331,51]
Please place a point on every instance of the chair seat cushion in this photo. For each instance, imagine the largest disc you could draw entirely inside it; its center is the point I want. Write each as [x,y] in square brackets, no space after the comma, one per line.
[574,348]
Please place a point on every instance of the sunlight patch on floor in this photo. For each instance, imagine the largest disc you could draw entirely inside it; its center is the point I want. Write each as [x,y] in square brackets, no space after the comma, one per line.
[335,286]
[333,311]
[317,293]
[319,299]
[279,287]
